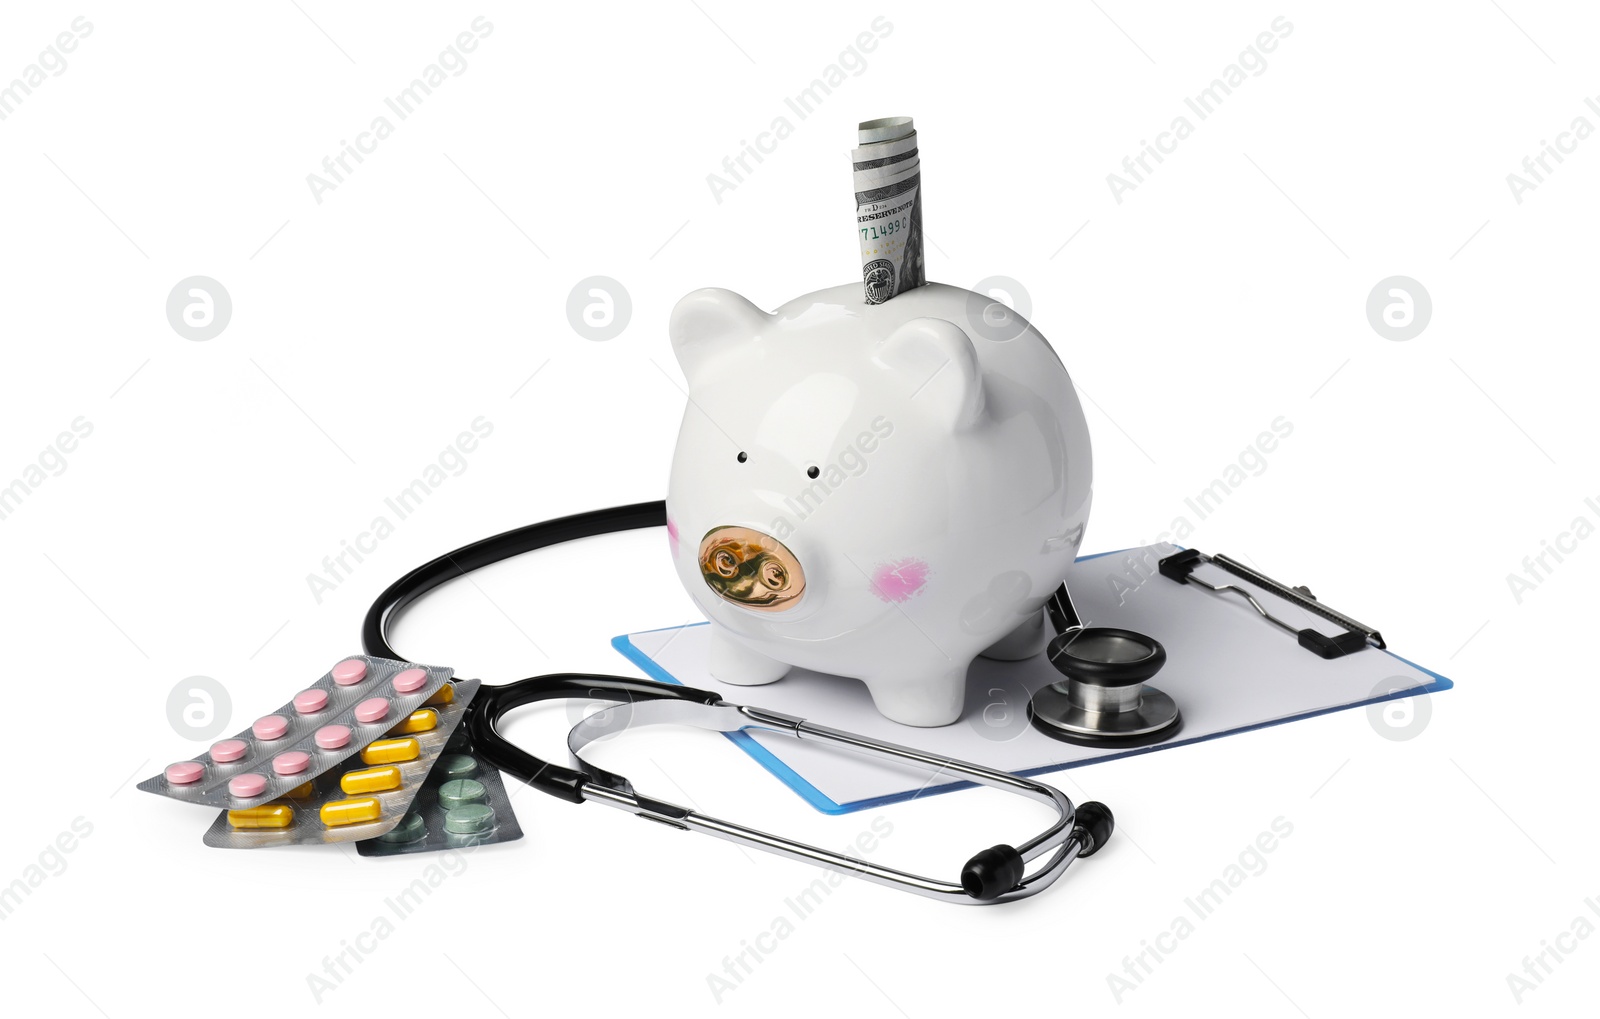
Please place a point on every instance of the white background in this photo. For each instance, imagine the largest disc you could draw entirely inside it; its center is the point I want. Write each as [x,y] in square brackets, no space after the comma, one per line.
[369,329]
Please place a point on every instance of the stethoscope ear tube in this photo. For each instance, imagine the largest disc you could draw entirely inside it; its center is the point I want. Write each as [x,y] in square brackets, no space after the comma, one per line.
[493,702]
[996,874]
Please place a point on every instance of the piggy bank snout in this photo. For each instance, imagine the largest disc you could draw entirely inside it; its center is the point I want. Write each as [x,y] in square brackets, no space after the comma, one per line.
[748,567]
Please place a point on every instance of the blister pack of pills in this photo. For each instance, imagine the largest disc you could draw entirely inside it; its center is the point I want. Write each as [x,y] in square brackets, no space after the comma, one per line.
[463,804]
[363,799]
[357,701]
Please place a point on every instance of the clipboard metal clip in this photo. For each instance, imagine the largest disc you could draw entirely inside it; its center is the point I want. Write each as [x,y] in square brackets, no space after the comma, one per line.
[1181,566]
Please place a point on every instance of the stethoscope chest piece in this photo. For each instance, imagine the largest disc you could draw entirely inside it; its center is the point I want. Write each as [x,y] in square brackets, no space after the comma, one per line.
[1102,700]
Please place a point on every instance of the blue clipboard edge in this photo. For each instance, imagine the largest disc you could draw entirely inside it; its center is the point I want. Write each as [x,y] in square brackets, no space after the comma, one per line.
[814,796]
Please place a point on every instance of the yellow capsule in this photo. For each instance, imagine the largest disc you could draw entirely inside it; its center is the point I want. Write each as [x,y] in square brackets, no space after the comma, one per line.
[444,695]
[370,780]
[299,792]
[268,815]
[391,751]
[355,811]
[420,720]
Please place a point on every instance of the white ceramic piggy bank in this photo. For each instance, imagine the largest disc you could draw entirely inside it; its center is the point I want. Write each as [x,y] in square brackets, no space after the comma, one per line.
[881,491]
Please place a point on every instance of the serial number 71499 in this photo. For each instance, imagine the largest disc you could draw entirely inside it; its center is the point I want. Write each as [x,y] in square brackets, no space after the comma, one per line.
[879,231]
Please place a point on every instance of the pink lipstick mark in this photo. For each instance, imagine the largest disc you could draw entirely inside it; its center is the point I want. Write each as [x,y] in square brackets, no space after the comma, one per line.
[899,581]
[672,535]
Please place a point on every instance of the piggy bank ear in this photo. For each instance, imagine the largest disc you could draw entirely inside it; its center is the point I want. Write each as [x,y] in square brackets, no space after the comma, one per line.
[708,321]
[939,367]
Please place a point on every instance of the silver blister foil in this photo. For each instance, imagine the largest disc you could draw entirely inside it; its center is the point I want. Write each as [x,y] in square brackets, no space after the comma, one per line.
[212,788]
[307,827]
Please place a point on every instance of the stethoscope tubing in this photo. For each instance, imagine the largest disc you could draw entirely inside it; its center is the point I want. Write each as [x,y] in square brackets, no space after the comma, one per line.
[993,875]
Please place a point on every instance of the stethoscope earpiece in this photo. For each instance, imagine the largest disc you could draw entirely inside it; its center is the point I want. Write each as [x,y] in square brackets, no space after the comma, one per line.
[998,869]
[993,872]
[1095,819]
[1103,701]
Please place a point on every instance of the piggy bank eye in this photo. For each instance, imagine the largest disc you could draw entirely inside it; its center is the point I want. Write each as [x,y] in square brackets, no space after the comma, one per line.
[743,456]
[813,471]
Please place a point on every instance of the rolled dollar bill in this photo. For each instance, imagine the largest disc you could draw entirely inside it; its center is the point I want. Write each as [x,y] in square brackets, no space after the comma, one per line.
[888,182]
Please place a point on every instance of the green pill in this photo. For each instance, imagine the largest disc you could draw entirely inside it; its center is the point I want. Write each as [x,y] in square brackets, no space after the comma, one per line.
[456,766]
[410,829]
[459,792]
[471,819]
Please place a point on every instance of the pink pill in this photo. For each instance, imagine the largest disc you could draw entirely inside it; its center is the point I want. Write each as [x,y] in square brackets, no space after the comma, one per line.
[270,727]
[350,671]
[410,681]
[228,750]
[291,763]
[247,785]
[332,737]
[309,702]
[372,709]
[185,772]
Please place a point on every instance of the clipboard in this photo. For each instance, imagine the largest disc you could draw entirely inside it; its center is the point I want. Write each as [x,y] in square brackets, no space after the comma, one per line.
[1230,666]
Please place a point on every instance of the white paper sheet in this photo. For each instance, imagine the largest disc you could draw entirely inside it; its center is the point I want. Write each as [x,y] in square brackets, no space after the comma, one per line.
[1227,668]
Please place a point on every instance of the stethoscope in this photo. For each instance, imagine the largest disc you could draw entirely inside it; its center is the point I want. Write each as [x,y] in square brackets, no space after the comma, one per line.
[996,874]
